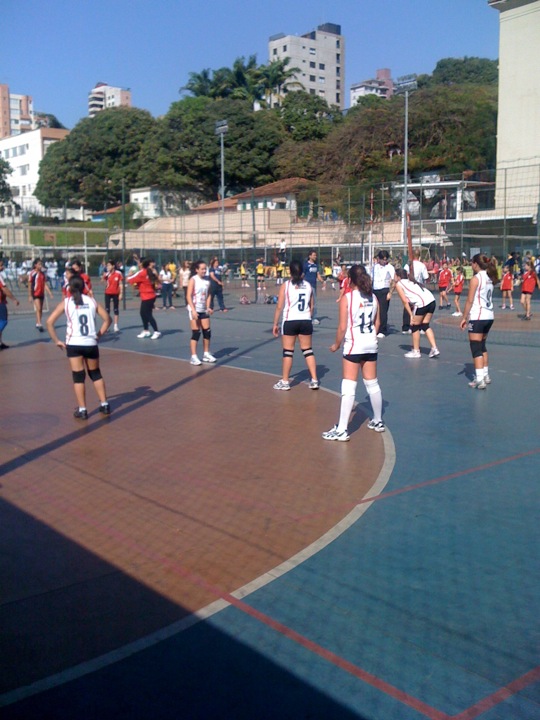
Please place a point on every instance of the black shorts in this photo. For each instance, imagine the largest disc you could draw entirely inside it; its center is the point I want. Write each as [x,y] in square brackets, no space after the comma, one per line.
[426,309]
[115,300]
[479,327]
[89,352]
[297,327]
[366,357]
[443,289]
[526,292]
[38,297]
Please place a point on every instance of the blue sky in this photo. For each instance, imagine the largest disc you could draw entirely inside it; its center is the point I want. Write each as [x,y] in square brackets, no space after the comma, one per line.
[56,51]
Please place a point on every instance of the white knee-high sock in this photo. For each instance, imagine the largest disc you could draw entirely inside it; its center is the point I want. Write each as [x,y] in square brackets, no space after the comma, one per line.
[348,391]
[375,397]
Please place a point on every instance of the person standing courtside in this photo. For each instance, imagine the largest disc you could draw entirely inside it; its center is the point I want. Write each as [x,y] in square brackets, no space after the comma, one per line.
[113,280]
[383,275]
[37,287]
[311,275]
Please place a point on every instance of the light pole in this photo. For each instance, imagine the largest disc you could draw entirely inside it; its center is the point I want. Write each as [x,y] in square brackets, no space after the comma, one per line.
[220,129]
[406,84]
[123,244]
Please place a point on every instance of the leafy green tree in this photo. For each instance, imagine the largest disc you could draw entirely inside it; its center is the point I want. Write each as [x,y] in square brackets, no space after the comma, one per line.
[5,189]
[89,165]
[461,71]
[308,117]
[278,79]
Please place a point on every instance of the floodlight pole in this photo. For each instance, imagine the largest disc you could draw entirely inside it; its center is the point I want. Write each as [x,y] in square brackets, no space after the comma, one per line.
[123,244]
[221,128]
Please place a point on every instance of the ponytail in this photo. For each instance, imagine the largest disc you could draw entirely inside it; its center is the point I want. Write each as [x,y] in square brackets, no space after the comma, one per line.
[76,287]
[484,263]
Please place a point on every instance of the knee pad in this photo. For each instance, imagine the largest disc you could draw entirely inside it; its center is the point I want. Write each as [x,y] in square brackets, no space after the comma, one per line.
[415,328]
[95,374]
[195,335]
[424,326]
[288,353]
[78,376]
[372,386]
[348,388]
[307,352]
[484,348]
[476,348]
[206,333]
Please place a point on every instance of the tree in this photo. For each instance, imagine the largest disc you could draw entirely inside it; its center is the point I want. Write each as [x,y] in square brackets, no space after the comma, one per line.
[278,79]
[308,117]
[5,189]
[89,165]
[461,71]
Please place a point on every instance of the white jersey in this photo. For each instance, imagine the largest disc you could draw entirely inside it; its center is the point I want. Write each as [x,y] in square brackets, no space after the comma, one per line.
[297,301]
[420,271]
[416,295]
[200,294]
[81,321]
[360,336]
[382,276]
[482,307]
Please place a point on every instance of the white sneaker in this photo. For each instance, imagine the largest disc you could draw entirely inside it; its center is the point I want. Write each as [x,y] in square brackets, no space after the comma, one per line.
[195,360]
[457,314]
[116,328]
[478,384]
[377,426]
[381,335]
[156,335]
[314,385]
[316,322]
[144,334]
[406,332]
[207,357]
[487,379]
[282,385]
[434,352]
[413,354]
[333,434]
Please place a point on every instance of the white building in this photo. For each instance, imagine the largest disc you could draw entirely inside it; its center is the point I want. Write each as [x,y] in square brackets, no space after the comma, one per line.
[16,113]
[381,86]
[24,154]
[320,56]
[104,96]
[518,124]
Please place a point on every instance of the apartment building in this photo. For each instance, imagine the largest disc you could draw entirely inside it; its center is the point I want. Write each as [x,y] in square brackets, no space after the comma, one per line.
[24,153]
[16,113]
[320,57]
[104,96]
[381,85]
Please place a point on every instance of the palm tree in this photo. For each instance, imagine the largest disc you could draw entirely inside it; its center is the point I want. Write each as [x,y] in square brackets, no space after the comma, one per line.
[278,78]
[199,84]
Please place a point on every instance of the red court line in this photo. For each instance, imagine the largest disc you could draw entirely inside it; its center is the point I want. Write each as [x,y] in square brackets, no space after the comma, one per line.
[500,695]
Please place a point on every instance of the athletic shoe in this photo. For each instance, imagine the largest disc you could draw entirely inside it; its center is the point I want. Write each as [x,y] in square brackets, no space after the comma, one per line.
[116,328]
[478,384]
[207,357]
[511,307]
[503,307]
[422,332]
[487,379]
[3,346]
[406,332]
[81,414]
[144,334]
[377,426]
[314,385]
[40,328]
[433,353]
[413,354]
[527,317]
[333,434]
[105,409]
[457,314]
[381,335]
[316,322]
[282,385]
[156,335]
[195,360]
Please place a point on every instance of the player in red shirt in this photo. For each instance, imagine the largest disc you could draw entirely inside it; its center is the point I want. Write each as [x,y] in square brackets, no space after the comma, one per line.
[457,284]
[529,282]
[146,279]
[5,293]
[37,287]
[77,267]
[445,280]
[507,285]
[113,280]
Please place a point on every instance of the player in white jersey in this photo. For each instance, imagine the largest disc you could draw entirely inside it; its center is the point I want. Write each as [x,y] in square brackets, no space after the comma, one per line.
[357,329]
[199,311]
[419,303]
[295,305]
[478,316]
[81,344]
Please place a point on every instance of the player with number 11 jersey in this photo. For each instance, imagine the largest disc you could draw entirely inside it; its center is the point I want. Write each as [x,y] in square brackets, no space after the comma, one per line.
[361,336]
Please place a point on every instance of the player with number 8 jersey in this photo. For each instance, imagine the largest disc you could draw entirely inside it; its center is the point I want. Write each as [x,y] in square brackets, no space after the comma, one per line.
[81,321]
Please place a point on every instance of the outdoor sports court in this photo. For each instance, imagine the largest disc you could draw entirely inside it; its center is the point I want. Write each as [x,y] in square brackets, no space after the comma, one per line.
[203,553]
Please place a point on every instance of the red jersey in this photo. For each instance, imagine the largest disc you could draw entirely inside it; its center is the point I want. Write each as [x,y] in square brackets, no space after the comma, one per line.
[507,282]
[445,278]
[144,283]
[114,282]
[3,296]
[36,281]
[528,281]
[458,283]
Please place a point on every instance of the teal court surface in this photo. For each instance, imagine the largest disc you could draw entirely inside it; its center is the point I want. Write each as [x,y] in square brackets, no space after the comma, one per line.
[203,553]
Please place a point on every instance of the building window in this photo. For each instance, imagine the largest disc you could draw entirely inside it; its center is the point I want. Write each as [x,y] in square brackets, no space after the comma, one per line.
[338,98]
[274,51]
[321,79]
[312,51]
[312,64]
[338,72]
[312,78]
[338,43]
[321,66]
[284,48]
[312,92]
[338,58]
[338,84]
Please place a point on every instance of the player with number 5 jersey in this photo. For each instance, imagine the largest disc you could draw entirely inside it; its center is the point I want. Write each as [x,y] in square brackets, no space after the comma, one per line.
[81,344]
